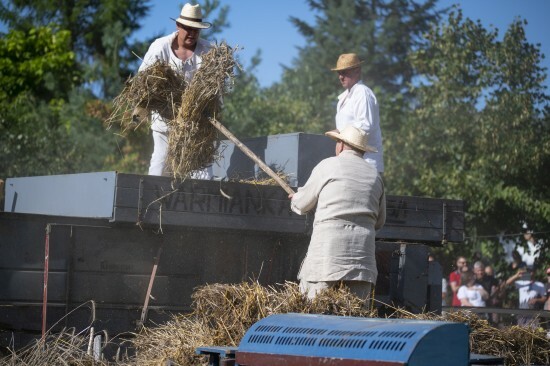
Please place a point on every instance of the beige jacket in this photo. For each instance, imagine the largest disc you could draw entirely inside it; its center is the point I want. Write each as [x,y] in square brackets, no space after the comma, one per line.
[351,205]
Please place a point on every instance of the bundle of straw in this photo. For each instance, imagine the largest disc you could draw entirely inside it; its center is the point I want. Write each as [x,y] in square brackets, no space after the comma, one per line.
[158,88]
[191,144]
[186,109]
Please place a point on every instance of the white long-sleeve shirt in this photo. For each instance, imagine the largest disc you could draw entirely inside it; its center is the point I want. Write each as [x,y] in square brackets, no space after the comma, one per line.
[358,107]
[350,204]
[161,49]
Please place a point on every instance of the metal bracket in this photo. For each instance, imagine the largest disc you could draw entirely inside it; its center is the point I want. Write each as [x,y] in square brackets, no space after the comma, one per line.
[140,202]
[444,224]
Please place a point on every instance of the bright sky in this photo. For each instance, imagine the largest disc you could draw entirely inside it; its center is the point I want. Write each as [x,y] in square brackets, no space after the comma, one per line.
[265,25]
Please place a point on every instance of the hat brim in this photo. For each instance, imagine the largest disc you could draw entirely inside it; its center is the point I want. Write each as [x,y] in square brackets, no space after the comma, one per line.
[189,23]
[337,137]
[347,67]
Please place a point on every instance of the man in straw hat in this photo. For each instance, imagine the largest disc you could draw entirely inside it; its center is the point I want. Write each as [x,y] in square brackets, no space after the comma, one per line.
[350,202]
[357,106]
[182,50]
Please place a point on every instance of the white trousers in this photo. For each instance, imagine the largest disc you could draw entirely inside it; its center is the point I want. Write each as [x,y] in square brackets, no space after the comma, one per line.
[157,165]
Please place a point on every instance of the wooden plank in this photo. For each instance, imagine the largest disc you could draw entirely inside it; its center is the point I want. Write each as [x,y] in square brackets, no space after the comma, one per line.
[206,203]
[21,285]
[217,204]
[417,235]
[205,197]
[163,185]
[212,221]
[268,204]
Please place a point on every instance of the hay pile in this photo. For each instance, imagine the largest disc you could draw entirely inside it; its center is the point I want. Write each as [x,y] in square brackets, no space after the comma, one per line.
[223,313]
[186,109]
[517,345]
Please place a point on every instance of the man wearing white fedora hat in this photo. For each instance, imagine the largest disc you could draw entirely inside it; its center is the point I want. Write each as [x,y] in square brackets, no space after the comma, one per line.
[182,50]
[350,205]
[358,106]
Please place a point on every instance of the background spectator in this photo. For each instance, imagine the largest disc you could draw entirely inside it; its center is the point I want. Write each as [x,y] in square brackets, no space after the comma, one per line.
[531,294]
[471,293]
[454,278]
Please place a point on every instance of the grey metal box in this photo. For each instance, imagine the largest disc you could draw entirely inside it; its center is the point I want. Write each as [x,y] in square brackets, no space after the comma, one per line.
[295,154]
[75,195]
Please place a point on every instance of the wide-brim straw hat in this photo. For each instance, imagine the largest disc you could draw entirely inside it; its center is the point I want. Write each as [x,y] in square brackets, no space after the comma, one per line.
[352,136]
[191,16]
[347,61]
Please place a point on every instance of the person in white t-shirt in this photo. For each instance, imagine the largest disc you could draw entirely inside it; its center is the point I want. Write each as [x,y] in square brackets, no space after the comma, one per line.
[471,293]
[182,50]
[532,294]
[358,106]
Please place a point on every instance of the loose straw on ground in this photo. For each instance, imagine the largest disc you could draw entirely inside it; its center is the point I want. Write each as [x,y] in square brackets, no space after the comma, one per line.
[222,313]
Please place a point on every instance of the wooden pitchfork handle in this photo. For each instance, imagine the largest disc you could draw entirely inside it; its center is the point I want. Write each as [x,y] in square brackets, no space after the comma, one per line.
[251,155]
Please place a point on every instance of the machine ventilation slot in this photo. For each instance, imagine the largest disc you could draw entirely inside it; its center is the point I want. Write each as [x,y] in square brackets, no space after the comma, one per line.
[300,330]
[255,338]
[295,341]
[351,333]
[387,345]
[268,328]
[397,334]
[342,343]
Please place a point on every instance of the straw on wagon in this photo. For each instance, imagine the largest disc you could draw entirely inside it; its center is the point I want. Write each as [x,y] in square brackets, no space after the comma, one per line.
[186,109]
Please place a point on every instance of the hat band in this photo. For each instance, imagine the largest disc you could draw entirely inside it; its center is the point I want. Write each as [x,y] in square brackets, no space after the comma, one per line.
[191,19]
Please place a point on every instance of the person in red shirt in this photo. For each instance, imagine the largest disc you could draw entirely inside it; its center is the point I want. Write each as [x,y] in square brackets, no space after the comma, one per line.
[454,278]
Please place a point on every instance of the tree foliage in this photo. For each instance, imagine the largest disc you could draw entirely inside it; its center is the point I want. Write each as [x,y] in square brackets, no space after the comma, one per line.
[479,128]
[39,61]
[99,32]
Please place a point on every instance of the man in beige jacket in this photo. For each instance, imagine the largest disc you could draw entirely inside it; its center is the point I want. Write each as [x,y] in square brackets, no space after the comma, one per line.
[350,202]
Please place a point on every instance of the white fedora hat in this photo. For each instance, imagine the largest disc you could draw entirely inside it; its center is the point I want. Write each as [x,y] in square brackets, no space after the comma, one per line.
[347,61]
[191,16]
[352,136]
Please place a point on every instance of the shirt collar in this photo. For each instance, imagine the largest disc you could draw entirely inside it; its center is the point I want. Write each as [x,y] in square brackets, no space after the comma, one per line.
[351,152]
[346,92]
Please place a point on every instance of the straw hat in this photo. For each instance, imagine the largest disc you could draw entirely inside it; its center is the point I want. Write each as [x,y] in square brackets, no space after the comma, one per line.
[347,61]
[352,136]
[191,16]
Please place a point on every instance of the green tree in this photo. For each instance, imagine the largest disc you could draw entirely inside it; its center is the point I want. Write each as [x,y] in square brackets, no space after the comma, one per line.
[37,70]
[38,61]
[99,32]
[479,130]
